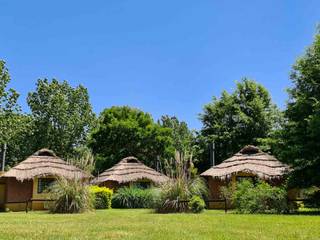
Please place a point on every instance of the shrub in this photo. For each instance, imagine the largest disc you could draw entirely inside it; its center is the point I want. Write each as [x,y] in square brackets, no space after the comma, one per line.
[179,189]
[134,197]
[196,204]
[70,196]
[259,198]
[313,197]
[102,197]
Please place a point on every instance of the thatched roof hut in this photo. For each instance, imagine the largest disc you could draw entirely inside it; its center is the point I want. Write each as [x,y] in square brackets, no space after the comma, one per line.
[44,163]
[128,170]
[252,160]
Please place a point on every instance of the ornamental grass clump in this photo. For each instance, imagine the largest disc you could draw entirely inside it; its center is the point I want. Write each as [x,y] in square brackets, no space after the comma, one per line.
[70,196]
[175,194]
[134,197]
[182,186]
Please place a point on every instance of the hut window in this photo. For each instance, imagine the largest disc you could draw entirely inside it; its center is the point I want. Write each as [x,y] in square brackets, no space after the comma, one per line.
[249,178]
[143,185]
[44,184]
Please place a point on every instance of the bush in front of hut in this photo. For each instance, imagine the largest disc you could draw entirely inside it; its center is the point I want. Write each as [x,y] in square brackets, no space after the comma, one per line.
[259,198]
[175,195]
[70,196]
[135,197]
[102,197]
[196,204]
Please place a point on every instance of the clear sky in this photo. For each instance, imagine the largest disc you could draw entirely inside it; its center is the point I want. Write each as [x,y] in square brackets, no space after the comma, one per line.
[164,57]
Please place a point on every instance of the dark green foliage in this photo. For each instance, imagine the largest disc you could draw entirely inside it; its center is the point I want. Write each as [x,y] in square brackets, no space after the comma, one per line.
[62,116]
[181,135]
[125,131]
[259,198]
[134,197]
[313,197]
[70,196]
[300,138]
[102,197]
[196,204]
[237,119]
[183,142]
[21,145]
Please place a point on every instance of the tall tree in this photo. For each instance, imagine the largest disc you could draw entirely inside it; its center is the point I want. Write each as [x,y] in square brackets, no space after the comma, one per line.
[237,119]
[301,136]
[11,119]
[62,115]
[8,106]
[125,131]
[184,144]
[182,136]
[21,145]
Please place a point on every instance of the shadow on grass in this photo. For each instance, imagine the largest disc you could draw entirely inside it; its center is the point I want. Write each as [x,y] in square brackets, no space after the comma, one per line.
[313,212]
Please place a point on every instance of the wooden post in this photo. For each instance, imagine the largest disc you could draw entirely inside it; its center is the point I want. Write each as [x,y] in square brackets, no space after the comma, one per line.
[225,205]
[27,203]
[4,156]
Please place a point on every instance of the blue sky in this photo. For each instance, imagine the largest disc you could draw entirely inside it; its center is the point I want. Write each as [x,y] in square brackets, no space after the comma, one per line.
[164,57]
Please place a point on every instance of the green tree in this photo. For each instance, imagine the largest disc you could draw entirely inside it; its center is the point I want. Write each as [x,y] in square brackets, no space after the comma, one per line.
[234,120]
[21,145]
[9,107]
[12,121]
[301,136]
[125,131]
[62,116]
[183,143]
[181,135]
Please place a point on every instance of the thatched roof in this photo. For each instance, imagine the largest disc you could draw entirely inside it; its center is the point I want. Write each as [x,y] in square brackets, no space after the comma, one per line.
[44,163]
[250,159]
[130,169]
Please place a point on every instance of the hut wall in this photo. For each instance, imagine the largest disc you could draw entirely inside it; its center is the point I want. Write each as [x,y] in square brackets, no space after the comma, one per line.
[39,205]
[214,185]
[17,193]
[114,185]
[144,183]
[2,193]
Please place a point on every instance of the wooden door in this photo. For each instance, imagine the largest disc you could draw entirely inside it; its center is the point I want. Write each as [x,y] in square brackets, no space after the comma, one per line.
[2,194]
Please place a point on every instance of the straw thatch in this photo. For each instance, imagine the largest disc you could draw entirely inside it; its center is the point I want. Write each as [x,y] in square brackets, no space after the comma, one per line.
[130,169]
[45,163]
[252,160]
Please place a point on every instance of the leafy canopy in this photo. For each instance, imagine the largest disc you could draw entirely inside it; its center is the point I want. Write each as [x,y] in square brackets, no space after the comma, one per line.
[125,131]
[13,124]
[181,135]
[62,115]
[301,145]
[9,108]
[237,119]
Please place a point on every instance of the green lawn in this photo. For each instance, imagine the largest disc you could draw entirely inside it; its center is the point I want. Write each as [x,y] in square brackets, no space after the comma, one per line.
[143,224]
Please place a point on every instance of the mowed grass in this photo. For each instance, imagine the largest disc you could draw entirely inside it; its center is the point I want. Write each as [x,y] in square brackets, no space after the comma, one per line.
[143,224]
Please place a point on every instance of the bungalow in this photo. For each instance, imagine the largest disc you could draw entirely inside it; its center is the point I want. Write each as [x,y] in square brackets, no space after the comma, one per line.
[249,163]
[30,180]
[129,171]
